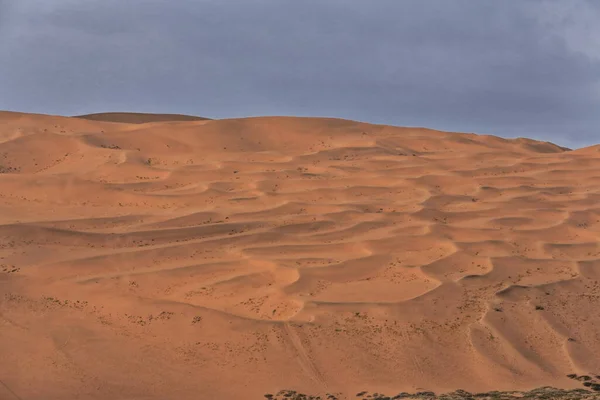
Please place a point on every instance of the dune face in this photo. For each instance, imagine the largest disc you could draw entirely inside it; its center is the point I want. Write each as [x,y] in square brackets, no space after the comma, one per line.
[238,258]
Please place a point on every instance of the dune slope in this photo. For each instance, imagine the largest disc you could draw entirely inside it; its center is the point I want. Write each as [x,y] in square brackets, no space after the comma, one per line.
[237,258]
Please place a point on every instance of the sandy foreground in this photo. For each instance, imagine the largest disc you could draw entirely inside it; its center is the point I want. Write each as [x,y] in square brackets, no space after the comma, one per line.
[233,259]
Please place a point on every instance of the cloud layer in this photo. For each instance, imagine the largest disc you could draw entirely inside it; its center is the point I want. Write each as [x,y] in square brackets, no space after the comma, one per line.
[520,68]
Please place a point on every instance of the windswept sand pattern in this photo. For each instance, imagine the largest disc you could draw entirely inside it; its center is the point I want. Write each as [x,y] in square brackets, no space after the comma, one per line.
[205,259]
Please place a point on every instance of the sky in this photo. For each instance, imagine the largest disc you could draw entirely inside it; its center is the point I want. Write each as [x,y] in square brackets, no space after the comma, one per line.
[513,68]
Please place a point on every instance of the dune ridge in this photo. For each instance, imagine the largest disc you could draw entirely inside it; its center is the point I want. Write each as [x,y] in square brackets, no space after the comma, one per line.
[161,258]
[138,118]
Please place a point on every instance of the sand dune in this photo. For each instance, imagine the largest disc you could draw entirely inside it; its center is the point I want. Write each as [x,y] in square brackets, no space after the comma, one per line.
[138,118]
[172,257]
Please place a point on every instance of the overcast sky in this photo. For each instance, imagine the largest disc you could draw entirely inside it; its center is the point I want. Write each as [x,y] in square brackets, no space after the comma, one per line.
[511,68]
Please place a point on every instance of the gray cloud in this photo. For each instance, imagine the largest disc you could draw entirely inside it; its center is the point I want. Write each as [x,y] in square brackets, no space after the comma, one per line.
[520,68]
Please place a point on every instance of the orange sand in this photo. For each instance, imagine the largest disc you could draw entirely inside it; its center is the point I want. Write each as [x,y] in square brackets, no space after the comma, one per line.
[202,259]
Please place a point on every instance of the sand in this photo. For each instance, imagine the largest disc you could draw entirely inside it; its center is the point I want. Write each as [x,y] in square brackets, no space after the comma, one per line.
[183,258]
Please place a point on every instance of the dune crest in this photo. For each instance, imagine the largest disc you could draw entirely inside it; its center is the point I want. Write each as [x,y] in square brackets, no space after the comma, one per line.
[138,118]
[178,257]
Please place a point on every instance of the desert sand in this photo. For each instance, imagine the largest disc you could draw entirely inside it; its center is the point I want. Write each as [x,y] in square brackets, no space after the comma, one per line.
[175,257]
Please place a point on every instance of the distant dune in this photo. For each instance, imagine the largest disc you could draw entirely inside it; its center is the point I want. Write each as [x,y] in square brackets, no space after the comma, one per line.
[138,118]
[251,258]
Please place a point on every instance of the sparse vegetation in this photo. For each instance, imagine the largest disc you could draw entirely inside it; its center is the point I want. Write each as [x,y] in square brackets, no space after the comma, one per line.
[7,170]
[543,393]
[110,146]
[9,269]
